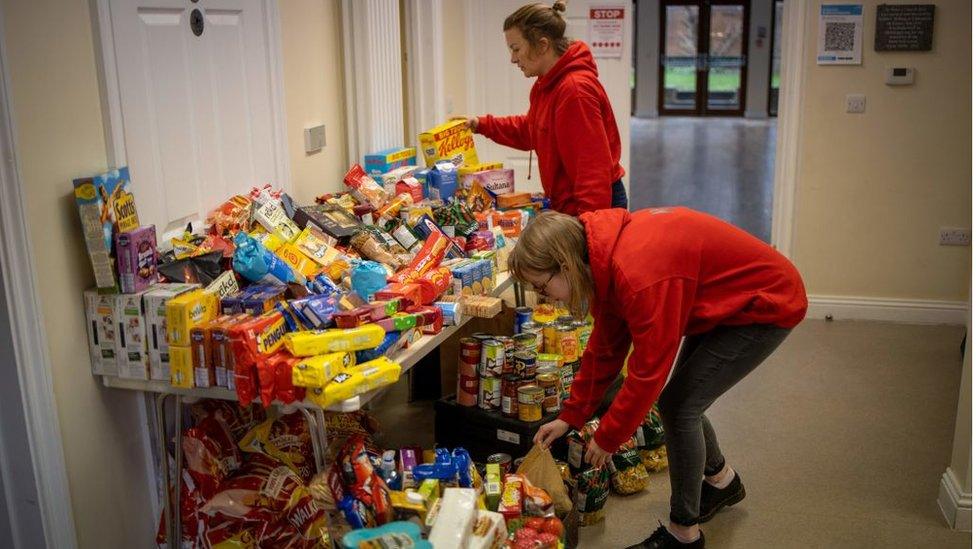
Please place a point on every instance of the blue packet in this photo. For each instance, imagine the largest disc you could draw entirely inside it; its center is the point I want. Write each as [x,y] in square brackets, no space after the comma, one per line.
[371,354]
[368,277]
[255,263]
[443,469]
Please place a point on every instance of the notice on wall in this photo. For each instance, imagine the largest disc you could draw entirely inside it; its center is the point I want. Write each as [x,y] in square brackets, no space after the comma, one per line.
[839,38]
[904,27]
[606,31]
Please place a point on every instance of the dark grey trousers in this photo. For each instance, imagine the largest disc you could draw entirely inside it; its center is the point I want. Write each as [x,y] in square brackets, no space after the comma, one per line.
[708,366]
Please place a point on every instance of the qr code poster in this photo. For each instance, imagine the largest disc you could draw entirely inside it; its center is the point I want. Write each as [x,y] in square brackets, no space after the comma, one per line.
[839,39]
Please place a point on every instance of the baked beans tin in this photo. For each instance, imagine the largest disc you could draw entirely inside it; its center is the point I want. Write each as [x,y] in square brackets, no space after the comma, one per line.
[549,343]
[535,329]
[530,403]
[509,344]
[525,366]
[490,394]
[584,330]
[568,343]
[467,389]
[470,350]
[550,391]
[510,387]
[492,358]
[526,342]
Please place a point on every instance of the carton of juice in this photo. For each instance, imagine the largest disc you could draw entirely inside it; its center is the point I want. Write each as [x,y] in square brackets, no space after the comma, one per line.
[451,141]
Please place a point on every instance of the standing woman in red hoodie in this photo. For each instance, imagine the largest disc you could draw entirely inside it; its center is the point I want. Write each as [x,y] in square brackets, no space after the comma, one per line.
[570,123]
[650,278]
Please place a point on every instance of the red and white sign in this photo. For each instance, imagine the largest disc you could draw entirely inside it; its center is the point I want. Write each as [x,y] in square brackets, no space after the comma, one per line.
[606,31]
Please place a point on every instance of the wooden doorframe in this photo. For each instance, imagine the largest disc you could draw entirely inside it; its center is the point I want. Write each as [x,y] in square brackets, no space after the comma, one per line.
[701,81]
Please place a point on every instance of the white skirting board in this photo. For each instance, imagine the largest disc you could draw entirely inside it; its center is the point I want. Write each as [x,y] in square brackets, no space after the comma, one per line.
[957,506]
[912,311]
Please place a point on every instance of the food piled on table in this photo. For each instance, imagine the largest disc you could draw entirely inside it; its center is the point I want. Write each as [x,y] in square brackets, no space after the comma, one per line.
[284,302]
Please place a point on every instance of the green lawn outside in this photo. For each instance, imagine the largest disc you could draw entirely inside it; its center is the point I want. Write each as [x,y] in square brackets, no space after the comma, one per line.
[683,79]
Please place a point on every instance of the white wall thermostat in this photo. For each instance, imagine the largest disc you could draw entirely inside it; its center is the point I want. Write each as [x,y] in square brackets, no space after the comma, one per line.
[900,76]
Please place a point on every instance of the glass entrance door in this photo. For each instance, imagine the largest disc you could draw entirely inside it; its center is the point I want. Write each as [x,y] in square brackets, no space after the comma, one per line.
[703,61]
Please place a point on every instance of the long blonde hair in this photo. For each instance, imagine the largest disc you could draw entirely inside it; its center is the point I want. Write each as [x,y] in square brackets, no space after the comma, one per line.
[553,243]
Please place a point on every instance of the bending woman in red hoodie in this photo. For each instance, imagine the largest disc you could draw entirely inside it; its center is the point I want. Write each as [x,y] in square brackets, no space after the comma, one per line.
[650,278]
[570,123]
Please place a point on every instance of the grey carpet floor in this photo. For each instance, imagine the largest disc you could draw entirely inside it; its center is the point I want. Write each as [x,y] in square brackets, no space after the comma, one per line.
[722,166]
[841,438]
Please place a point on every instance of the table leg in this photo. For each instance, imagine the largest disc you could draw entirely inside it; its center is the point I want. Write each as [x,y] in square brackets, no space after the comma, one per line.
[178,423]
[164,465]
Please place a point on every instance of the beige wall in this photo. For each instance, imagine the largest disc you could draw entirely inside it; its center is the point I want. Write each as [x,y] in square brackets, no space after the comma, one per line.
[312,49]
[59,136]
[454,19]
[874,188]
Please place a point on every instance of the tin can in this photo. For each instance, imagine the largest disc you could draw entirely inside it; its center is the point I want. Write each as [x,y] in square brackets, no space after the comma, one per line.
[509,344]
[467,389]
[492,358]
[584,329]
[504,462]
[566,375]
[550,392]
[525,366]
[530,403]
[482,336]
[490,393]
[510,387]
[566,320]
[548,363]
[526,342]
[568,343]
[470,350]
[549,343]
[534,328]
[522,315]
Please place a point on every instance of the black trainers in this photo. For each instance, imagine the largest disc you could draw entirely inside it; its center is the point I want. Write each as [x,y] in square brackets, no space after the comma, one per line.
[662,539]
[714,499]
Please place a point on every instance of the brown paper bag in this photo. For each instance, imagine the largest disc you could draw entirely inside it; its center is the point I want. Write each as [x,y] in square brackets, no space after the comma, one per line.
[541,470]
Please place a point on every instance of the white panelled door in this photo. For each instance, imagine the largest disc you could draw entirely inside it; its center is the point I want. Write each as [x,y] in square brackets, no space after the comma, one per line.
[496,86]
[198,110]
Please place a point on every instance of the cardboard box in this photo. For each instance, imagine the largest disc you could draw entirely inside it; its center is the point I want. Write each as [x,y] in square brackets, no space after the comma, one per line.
[498,182]
[181,369]
[136,259]
[383,161]
[106,206]
[102,328]
[154,304]
[452,141]
[332,220]
[186,311]
[131,346]
[469,169]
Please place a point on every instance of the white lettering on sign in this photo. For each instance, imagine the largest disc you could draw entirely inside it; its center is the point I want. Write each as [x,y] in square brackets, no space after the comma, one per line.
[508,436]
[603,13]
[606,31]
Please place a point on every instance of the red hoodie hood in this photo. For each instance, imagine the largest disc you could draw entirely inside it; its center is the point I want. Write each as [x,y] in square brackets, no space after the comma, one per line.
[603,228]
[576,59]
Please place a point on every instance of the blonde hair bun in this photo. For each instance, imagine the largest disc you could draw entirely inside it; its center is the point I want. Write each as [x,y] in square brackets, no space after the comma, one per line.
[559,6]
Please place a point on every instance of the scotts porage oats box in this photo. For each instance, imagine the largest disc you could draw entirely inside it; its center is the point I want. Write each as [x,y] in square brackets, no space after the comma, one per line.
[452,141]
[106,206]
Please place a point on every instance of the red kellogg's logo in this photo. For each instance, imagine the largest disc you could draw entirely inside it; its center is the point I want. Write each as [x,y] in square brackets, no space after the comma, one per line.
[458,141]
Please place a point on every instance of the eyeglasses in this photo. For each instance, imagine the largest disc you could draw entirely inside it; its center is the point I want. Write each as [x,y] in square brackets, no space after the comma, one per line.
[542,289]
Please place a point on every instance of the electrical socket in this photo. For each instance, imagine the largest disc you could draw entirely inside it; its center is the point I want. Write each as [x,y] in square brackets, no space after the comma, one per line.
[856,103]
[954,236]
[314,138]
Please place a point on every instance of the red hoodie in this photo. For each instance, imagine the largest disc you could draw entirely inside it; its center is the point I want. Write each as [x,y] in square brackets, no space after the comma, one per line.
[660,274]
[570,125]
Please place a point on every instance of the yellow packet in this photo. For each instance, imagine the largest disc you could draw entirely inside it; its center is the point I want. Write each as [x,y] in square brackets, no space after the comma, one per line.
[296,258]
[270,241]
[320,342]
[181,366]
[317,245]
[187,311]
[469,169]
[319,370]
[356,381]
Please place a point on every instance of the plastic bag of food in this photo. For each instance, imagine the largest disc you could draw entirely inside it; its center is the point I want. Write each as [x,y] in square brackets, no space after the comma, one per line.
[541,470]
[285,439]
[650,434]
[201,269]
[261,489]
[655,460]
[628,474]
[368,277]
[363,482]
[238,420]
[210,454]
[256,263]
[366,242]
[365,188]
[230,217]
[593,489]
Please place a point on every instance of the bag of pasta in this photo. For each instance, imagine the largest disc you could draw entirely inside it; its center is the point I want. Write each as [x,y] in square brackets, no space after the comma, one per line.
[628,474]
[593,489]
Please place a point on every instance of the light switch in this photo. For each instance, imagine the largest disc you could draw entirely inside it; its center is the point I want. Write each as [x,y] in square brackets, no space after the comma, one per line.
[856,103]
[314,138]
[900,76]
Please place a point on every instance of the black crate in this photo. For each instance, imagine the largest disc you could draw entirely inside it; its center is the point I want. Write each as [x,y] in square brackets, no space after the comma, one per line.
[483,433]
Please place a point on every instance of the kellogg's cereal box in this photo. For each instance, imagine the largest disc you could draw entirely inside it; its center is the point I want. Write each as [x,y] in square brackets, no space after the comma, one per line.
[452,141]
[384,161]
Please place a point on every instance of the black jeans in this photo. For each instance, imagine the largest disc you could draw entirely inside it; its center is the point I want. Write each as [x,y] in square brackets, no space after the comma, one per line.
[618,194]
[709,365]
